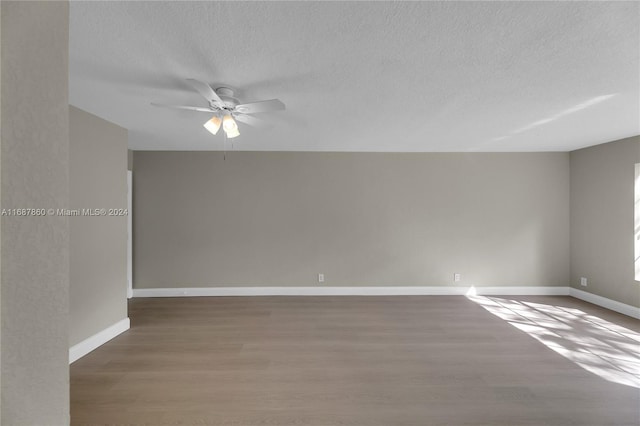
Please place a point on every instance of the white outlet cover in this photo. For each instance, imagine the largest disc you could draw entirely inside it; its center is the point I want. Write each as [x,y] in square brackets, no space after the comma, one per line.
[457,277]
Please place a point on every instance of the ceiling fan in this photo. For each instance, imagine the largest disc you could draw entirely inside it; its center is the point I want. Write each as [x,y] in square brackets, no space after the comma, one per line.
[226,109]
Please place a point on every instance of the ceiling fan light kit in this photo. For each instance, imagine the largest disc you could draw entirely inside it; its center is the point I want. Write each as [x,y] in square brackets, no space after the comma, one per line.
[229,126]
[222,103]
[232,133]
[213,125]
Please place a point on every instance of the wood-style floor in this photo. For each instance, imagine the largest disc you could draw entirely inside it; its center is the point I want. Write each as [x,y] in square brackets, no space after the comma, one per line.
[375,361]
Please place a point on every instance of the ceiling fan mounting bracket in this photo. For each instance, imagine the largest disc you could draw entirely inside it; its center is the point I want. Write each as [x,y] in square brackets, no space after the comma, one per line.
[225,91]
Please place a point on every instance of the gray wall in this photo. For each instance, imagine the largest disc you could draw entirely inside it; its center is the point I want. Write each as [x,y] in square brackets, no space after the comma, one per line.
[129,159]
[98,250]
[602,219]
[0,206]
[375,219]
[35,250]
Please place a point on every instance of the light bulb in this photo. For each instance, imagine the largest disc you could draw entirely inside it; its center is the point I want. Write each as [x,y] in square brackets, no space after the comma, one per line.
[213,125]
[232,133]
[228,124]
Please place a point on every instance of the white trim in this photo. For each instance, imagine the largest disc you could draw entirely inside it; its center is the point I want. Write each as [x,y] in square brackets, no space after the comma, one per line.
[129,234]
[347,291]
[620,307]
[521,291]
[87,345]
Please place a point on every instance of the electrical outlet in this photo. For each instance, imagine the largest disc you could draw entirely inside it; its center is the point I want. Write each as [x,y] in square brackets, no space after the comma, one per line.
[583,281]
[457,278]
[320,278]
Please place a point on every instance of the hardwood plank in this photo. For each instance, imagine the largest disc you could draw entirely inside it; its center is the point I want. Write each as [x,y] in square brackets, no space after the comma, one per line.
[374,361]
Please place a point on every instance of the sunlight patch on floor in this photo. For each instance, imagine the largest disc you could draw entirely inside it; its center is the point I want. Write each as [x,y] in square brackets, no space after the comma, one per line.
[599,346]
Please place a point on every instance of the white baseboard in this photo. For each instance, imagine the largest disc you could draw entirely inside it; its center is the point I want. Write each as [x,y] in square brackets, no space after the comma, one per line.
[620,307]
[520,291]
[87,345]
[391,291]
[347,291]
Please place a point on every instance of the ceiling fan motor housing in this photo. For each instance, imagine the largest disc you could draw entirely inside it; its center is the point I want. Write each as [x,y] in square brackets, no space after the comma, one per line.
[226,94]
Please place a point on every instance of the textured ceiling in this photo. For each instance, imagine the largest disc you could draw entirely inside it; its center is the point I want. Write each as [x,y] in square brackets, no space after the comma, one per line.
[365,76]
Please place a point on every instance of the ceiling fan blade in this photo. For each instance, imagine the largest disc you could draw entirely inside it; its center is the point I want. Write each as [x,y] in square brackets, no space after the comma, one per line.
[260,106]
[190,108]
[251,121]
[206,91]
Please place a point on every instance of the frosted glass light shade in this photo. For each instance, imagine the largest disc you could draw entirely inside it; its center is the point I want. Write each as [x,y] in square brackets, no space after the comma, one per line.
[232,133]
[228,123]
[213,125]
